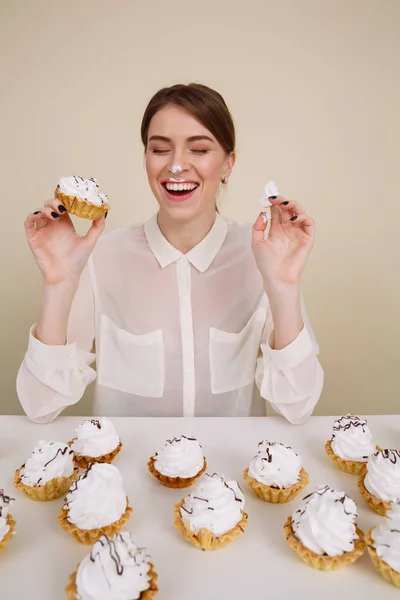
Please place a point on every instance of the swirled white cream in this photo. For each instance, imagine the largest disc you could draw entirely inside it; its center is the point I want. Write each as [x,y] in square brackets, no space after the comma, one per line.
[116,569]
[97,498]
[95,437]
[85,189]
[47,461]
[325,522]
[276,465]
[180,457]
[383,475]
[352,439]
[270,190]
[4,511]
[214,504]
[386,538]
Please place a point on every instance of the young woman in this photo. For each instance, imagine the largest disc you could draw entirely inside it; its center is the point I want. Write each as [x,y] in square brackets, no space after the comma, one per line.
[187,312]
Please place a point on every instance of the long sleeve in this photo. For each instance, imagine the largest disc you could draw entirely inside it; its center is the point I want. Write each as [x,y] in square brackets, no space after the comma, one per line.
[51,378]
[291,379]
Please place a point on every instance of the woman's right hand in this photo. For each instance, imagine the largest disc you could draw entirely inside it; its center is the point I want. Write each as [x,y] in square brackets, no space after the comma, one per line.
[60,253]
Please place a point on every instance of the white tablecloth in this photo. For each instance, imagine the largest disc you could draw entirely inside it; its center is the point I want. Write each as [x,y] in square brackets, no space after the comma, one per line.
[36,563]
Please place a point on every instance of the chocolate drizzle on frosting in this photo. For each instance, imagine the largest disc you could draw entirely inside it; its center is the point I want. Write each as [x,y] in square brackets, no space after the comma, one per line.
[320,492]
[110,544]
[4,500]
[344,423]
[96,423]
[175,439]
[390,454]
[61,451]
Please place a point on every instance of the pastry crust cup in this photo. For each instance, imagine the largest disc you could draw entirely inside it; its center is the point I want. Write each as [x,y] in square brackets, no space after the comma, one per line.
[82,208]
[10,533]
[71,590]
[276,495]
[90,536]
[174,482]
[322,562]
[380,565]
[84,461]
[381,507]
[53,489]
[205,539]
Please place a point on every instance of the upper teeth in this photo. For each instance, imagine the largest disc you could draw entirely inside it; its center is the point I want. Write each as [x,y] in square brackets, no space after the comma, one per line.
[177,187]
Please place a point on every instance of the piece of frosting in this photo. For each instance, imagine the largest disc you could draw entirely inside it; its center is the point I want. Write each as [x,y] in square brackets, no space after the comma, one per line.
[386,538]
[180,457]
[275,465]
[84,189]
[95,437]
[48,460]
[325,522]
[352,439]
[214,504]
[383,475]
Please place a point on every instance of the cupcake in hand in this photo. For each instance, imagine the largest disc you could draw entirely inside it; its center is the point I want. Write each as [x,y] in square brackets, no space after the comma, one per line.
[96,504]
[81,197]
[323,531]
[96,441]
[351,444]
[179,463]
[383,545]
[212,515]
[380,483]
[116,569]
[7,523]
[48,472]
[276,473]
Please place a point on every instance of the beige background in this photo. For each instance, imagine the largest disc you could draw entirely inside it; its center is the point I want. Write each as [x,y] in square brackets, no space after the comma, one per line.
[314,89]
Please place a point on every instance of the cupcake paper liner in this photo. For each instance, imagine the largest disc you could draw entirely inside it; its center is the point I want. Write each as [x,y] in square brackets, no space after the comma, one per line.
[205,539]
[322,562]
[174,482]
[376,504]
[274,495]
[10,534]
[352,467]
[84,461]
[380,565]
[71,590]
[90,536]
[82,208]
[55,488]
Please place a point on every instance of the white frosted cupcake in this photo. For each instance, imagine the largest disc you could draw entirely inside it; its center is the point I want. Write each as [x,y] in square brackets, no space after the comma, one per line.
[7,523]
[96,504]
[48,472]
[96,441]
[81,197]
[179,463]
[380,484]
[212,515]
[351,444]
[276,473]
[116,569]
[383,544]
[323,531]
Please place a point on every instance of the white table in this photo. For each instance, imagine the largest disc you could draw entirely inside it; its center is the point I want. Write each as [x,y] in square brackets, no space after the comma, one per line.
[37,562]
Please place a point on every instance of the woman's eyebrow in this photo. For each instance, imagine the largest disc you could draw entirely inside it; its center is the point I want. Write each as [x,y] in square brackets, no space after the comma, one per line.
[193,138]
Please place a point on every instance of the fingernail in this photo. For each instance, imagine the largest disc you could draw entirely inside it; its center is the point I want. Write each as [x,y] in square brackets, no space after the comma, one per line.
[55,215]
[285,203]
[293,218]
[37,212]
[273,197]
[105,216]
[265,217]
[62,208]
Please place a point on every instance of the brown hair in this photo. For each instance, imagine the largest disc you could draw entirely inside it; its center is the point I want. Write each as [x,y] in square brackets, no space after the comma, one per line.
[204,103]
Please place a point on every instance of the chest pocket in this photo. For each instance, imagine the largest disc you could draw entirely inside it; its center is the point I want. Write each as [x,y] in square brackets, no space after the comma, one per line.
[233,356]
[129,362]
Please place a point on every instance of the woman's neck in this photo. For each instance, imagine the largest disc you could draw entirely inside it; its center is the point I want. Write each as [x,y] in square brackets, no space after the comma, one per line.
[187,234]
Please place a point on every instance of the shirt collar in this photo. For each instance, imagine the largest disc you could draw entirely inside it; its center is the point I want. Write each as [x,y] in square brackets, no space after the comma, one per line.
[201,256]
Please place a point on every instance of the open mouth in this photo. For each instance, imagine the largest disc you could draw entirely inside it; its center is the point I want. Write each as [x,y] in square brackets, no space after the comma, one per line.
[179,191]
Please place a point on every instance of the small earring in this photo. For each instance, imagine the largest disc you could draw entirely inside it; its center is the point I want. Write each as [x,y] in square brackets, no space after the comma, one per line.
[224,180]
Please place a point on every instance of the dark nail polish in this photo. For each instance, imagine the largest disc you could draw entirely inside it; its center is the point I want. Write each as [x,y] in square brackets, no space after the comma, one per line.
[285,203]
[293,218]
[105,216]
[272,197]
[55,215]
[62,208]
[37,212]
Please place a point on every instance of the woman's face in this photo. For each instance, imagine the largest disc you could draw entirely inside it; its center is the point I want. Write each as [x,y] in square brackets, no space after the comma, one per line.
[176,138]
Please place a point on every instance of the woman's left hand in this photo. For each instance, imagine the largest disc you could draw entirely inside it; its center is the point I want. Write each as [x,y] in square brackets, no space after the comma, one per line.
[282,257]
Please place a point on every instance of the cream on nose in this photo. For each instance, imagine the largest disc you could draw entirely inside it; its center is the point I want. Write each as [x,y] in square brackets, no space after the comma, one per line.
[175,169]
